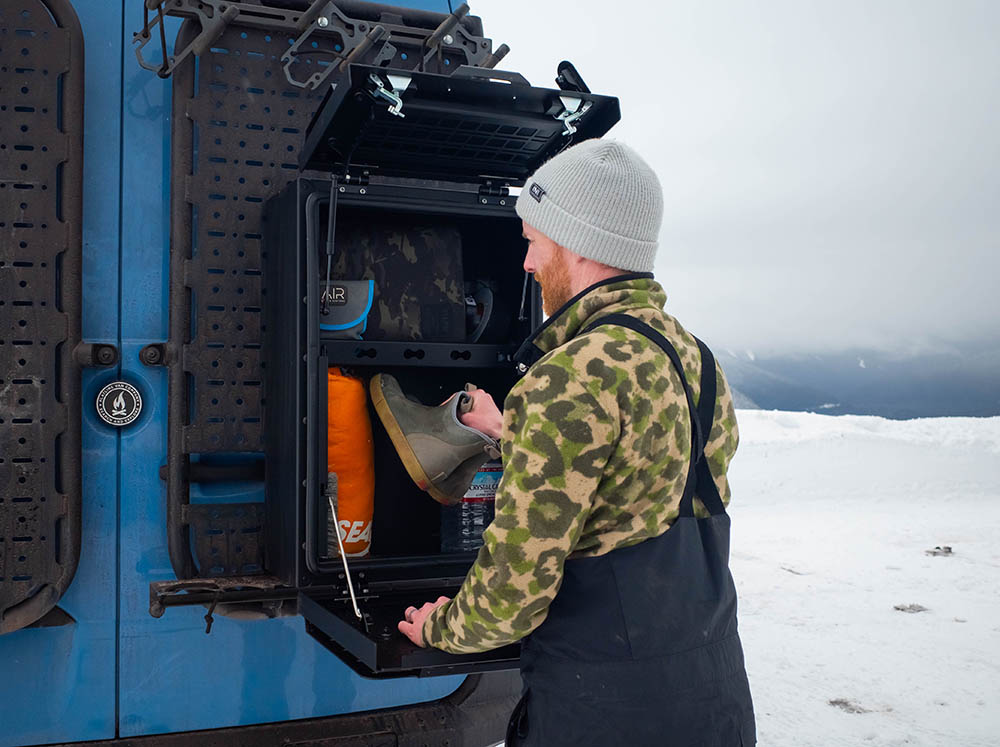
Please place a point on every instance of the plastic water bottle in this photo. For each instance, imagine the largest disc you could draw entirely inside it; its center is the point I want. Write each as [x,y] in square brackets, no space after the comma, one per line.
[462,525]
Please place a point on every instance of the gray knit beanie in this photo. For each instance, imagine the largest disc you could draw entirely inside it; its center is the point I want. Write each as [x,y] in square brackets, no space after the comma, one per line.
[600,200]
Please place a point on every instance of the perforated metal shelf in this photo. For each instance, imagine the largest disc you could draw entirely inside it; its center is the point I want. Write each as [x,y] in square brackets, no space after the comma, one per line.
[237,128]
[41,155]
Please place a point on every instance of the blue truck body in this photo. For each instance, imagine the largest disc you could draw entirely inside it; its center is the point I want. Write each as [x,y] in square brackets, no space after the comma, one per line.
[115,671]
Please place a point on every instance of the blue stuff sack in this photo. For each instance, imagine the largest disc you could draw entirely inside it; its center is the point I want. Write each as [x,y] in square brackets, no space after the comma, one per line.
[348,303]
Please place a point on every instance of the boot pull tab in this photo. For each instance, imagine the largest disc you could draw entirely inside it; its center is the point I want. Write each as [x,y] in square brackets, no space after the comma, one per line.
[465,402]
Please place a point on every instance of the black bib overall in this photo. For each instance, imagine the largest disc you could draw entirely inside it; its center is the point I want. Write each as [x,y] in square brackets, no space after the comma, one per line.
[640,645]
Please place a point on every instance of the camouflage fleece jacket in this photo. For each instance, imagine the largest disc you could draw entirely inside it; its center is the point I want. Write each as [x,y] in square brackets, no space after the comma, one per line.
[596,442]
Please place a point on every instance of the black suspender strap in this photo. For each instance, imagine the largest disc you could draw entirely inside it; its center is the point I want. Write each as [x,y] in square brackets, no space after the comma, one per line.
[702,416]
[707,392]
[708,491]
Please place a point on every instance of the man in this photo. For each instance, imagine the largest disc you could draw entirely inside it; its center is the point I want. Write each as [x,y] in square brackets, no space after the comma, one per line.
[600,557]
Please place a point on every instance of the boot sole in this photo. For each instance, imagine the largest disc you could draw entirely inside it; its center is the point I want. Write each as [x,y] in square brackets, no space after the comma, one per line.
[403,449]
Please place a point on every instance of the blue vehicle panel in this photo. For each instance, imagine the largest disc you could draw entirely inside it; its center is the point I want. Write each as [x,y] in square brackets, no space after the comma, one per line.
[59,683]
[115,670]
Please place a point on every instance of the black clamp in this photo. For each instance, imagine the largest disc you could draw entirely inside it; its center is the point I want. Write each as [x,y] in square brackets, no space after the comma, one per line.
[95,355]
[154,354]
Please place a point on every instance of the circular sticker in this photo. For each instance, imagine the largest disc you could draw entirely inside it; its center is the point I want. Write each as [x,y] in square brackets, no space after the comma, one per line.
[119,403]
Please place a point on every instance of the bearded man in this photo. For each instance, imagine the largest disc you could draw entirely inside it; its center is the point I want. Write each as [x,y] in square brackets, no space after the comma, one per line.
[608,556]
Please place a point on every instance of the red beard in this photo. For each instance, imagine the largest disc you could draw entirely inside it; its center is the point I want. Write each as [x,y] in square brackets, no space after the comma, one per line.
[555,282]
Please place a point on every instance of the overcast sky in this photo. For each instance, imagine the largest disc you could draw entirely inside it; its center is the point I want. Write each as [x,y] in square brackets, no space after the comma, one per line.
[831,169]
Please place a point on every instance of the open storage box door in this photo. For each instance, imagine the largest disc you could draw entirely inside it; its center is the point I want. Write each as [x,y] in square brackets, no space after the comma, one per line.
[424,154]
[468,126]
[372,645]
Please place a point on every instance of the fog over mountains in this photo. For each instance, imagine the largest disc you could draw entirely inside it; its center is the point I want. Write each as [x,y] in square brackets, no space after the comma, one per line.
[958,381]
[831,174]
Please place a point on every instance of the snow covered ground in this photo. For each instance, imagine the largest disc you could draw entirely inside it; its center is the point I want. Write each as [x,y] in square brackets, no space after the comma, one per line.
[832,518]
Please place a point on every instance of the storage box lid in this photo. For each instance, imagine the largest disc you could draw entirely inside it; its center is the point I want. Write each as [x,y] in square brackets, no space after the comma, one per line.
[473,125]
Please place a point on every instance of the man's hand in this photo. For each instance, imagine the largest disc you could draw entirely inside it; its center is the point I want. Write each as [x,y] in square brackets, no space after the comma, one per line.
[484,415]
[412,624]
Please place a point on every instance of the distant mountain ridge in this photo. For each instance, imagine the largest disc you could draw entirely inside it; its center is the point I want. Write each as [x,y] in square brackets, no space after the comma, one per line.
[959,382]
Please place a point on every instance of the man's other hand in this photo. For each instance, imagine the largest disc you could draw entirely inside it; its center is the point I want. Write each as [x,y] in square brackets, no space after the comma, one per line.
[412,624]
[484,415]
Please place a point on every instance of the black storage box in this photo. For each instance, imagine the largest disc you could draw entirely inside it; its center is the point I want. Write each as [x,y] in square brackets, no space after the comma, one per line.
[446,163]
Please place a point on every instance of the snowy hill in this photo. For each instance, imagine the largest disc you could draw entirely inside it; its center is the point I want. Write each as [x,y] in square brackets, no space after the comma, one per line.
[742,401]
[951,381]
[832,521]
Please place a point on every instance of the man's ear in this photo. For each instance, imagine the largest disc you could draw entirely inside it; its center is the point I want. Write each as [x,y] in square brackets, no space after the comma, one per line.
[572,258]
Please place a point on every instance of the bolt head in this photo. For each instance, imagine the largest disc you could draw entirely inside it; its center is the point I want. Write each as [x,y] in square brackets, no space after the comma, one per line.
[322,22]
[448,39]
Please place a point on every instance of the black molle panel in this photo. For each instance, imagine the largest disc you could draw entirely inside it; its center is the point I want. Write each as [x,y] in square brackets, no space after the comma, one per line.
[41,143]
[237,127]
[227,537]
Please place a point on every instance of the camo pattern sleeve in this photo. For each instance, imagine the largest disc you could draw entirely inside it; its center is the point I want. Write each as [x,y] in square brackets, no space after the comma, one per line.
[596,446]
[559,432]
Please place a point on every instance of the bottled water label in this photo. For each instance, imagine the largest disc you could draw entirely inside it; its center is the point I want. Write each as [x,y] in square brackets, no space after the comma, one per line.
[484,484]
[462,525]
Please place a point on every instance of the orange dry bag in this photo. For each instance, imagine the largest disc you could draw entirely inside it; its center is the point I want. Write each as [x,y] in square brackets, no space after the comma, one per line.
[350,453]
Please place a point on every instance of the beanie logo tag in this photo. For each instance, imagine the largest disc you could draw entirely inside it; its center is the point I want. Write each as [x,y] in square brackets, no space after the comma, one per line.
[536,191]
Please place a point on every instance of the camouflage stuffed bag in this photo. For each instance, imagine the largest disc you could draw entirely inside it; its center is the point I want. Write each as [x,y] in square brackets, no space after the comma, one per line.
[417,269]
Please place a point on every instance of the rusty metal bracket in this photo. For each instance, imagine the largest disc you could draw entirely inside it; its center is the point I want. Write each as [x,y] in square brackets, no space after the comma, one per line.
[493,59]
[349,46]
[213,15]
[215,591]
[399,45]
[322,29]
[443,35]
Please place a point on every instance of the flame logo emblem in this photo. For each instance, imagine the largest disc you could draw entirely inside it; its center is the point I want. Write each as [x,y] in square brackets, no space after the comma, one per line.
[116,409]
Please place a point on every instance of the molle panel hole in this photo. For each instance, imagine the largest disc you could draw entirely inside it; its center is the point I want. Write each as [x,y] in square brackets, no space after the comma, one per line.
[57,466]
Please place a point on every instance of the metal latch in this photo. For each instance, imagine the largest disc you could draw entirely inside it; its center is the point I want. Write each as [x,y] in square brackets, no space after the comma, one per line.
[574,108]
[399,84]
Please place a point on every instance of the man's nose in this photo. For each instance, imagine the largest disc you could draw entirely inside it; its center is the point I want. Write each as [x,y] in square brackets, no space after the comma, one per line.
[529,261]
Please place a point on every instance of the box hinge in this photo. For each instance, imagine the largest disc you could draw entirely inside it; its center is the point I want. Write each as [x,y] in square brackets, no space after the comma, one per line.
[356,179]
[491,188]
